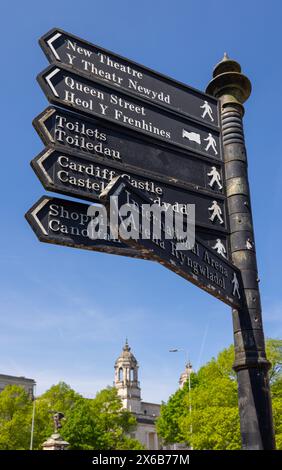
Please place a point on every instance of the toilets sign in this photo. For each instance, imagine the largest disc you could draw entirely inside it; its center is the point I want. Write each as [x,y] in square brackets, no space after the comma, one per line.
[58,127]
[122,74]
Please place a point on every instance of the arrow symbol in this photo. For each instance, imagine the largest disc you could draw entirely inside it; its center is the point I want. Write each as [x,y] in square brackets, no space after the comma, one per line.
[48,80]
[50,44]
[40,164]
[35,212]
[41,127]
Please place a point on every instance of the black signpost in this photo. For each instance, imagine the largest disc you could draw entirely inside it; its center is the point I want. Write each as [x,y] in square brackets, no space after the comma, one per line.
[101,65]
[75,92]
[127,131]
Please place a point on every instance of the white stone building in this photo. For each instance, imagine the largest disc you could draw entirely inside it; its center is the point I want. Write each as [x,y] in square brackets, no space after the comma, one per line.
[128,387]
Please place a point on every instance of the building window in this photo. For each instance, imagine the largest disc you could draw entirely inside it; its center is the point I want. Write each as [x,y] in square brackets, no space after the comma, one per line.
[120,374]
[151,440]
[131,375]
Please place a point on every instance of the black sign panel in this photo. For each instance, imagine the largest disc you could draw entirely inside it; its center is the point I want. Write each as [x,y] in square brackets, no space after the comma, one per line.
[66,223]
[63,87]
[200,265]
[62,222]
[128,76]
[89,136]
[86,177]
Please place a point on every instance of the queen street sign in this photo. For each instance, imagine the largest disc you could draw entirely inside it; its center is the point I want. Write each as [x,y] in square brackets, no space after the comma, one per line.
[67,89]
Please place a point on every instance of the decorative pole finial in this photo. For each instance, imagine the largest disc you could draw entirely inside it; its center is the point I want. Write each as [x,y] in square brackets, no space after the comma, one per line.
[228,81]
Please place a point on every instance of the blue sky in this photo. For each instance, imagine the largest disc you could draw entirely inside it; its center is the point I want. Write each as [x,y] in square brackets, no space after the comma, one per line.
[65,313]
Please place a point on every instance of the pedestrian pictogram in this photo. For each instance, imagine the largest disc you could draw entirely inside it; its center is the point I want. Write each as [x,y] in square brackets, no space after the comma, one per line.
[235,283]
[216,212]
[207,111]
[211,143]
[215,178]
[220,248]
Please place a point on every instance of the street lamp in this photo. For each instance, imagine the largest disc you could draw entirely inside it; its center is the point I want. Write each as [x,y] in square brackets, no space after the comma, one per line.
[188,364]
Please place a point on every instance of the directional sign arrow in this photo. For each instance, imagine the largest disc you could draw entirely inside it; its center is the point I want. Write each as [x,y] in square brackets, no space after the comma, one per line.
[134,79]
[79,175]
[66,223]
[91,137]
[67,89]
[200,265]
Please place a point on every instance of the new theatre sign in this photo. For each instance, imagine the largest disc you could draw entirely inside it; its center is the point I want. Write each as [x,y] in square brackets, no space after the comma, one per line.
[122,74]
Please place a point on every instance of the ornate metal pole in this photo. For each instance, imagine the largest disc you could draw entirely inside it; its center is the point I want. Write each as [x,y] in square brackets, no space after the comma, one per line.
[251,364]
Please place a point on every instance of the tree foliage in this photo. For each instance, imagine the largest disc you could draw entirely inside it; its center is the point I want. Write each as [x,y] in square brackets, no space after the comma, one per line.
[214,420]
[98,423]
[15,418]
[168,424]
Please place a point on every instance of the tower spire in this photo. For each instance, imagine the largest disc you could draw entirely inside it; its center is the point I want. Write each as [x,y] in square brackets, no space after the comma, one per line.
[126,345]
[126,379]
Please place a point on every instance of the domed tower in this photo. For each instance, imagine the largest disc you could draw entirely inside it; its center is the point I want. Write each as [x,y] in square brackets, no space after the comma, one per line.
[126,380]
[185,376]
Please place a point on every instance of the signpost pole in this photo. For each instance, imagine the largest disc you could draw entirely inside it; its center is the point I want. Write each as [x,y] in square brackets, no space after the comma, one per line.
[251,364]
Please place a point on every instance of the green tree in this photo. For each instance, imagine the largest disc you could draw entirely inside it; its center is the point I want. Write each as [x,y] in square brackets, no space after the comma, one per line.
[98,423]
[274,353]
[168,424]
[60,397]
[215,417]
[15,418]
